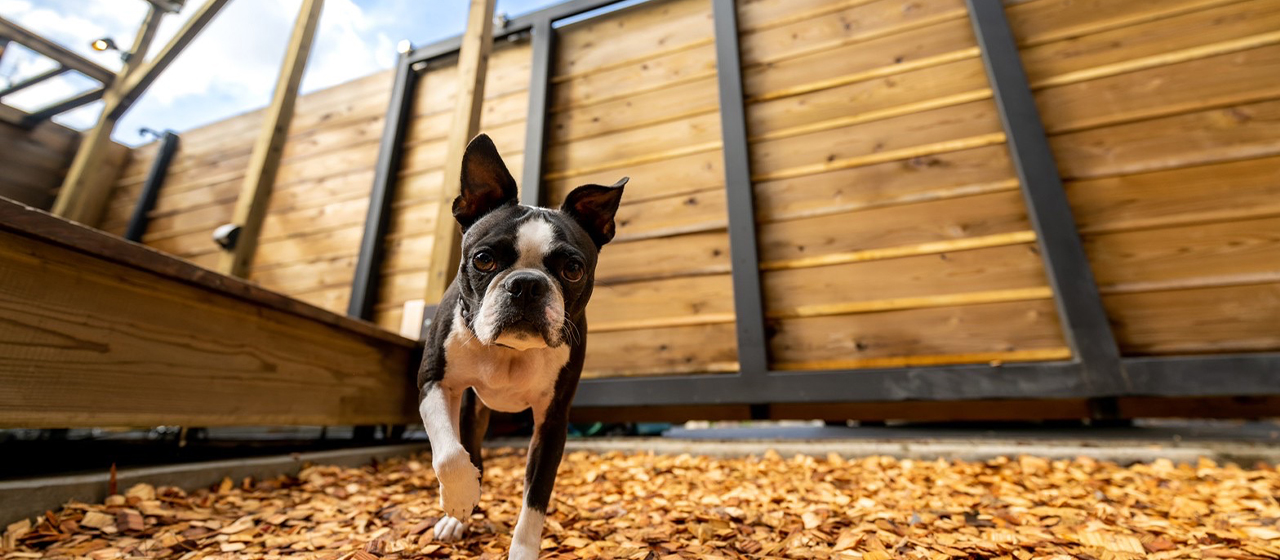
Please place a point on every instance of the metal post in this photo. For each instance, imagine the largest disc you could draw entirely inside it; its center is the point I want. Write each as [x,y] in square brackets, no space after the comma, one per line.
[753,357]
[364,287]
[536,126]
[1084,321]
[151,188]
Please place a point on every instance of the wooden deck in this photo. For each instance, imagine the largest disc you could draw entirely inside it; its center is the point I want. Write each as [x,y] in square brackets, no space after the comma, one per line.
[98,331]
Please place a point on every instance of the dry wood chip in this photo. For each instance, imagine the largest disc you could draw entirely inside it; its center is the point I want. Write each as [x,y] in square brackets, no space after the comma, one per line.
[97,520]
[652,507]
[129,520]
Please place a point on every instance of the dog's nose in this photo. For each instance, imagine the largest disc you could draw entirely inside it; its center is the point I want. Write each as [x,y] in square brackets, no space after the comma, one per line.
[525,286]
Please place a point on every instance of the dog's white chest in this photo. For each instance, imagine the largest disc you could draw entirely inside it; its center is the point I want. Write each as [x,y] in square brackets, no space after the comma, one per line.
[506,380]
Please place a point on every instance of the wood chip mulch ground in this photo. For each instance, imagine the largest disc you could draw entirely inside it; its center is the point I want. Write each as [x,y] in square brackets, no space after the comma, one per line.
[647,507]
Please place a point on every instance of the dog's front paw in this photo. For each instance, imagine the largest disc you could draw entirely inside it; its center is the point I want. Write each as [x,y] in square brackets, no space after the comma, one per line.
[459,484]
[449,529]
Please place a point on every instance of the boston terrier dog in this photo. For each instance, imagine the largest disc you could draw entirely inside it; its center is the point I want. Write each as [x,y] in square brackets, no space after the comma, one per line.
[510,334]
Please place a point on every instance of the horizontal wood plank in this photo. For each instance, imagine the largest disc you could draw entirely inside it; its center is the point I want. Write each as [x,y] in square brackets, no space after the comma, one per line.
[1234,78]
[1182,196]
[662,71]
[663,217]
[935,336]
[651,259]
[853,24]
[1042,21]
[1205,137]
[870,141]
[926,46]
[1213,254]
[652,180]
[941,220]
[787,292]
[662,351]
[632,144]
[1148,44]
[867,100]
[604,41]
[681,101]
[1206,320]
[918,179]
[688,300]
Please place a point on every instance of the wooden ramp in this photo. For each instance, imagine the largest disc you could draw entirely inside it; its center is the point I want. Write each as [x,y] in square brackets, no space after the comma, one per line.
[98,331]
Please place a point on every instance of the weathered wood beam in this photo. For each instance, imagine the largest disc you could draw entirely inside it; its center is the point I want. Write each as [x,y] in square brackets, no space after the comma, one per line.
[135,84]
[24,84]
[63,106]
[99,331]
[84,192]
[255,193]
[11,115]
[473,64]
[55,51]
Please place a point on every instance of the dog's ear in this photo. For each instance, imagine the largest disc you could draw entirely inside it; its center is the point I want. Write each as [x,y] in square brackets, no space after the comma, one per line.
[486,183]
[593,207]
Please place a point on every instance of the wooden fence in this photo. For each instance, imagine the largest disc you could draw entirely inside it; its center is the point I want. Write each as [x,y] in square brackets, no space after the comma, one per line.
[891,222]
[34,160]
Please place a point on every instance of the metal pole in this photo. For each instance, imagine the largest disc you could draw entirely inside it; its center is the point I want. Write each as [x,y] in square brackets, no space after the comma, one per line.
[536,126]
[151,189]
[1084,321]
[364,286]
[753,358]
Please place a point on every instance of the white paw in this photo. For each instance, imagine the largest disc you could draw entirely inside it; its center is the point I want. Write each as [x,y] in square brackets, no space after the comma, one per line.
[523,552]
[449,529]
[459,484]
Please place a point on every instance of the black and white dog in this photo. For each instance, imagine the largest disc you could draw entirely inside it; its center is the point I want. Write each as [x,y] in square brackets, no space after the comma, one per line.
[510,330]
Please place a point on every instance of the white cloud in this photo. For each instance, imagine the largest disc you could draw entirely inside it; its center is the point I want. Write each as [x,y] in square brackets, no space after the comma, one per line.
[347,46]
[230,68]
[75,25]
[236,54]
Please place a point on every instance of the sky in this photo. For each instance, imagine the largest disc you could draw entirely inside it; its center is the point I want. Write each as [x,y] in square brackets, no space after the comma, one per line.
[232,66]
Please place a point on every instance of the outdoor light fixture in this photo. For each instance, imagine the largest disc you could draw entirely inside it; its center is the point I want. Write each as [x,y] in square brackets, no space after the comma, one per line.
[104,44]
[226,236]
[404,46]
[107,44]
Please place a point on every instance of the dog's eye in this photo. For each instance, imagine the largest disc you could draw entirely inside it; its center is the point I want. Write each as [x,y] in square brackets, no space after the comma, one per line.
[484,262]
[572,271]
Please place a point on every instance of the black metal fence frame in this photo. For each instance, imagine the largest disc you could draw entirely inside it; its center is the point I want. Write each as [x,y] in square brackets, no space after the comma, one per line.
[1095,371]
[141,216]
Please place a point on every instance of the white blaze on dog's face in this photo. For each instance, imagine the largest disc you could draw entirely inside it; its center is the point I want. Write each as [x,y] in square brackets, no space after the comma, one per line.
[526,272]
[523,305]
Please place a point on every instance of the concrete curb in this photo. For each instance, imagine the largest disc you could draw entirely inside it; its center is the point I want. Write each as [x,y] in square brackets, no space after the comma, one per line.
[29,497]
[1123,452]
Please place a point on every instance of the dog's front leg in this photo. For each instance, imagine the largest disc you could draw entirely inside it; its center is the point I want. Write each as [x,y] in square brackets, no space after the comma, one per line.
[545,450]
[459,479]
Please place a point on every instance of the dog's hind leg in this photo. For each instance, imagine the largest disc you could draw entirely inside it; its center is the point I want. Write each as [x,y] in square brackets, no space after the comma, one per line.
[475,422]
[545,451]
